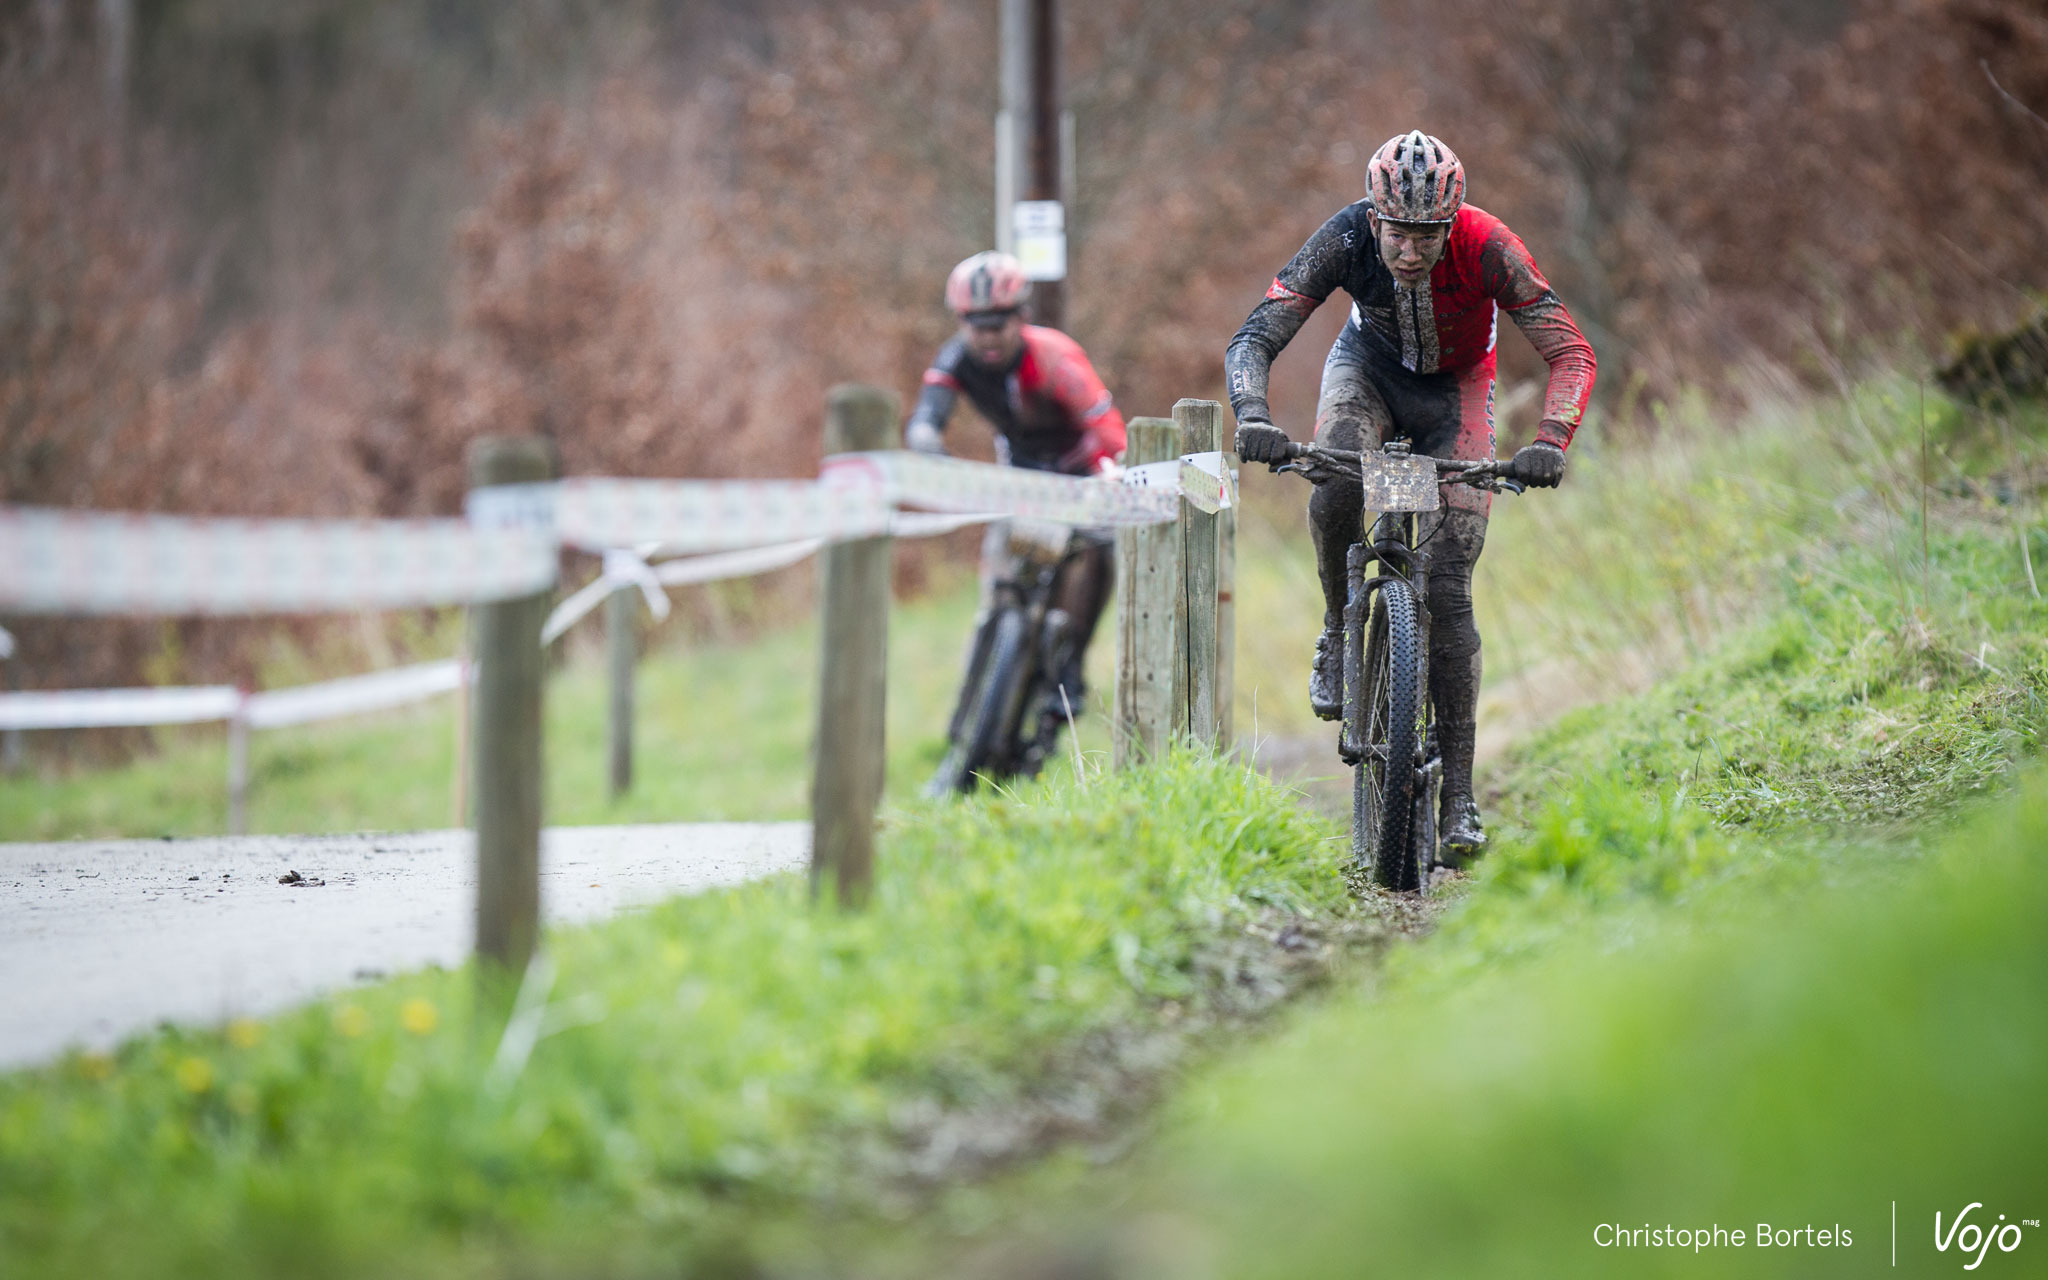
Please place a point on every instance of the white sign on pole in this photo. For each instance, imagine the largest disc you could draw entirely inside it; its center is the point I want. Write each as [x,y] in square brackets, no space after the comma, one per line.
[1041,238]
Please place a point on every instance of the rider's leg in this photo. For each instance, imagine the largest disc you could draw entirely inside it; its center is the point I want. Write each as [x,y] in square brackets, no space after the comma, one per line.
[1454,647]
[1454,539]
[1351,414]
[1450,415]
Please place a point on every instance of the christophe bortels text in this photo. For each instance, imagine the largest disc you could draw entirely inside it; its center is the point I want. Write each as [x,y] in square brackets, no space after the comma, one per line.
[1612,1235]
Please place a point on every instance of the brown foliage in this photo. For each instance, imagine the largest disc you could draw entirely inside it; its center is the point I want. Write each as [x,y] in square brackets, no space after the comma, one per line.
[664,268]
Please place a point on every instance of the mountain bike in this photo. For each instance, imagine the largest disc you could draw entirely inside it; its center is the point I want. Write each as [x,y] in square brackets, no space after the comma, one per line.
[1388,732]
[1011,709]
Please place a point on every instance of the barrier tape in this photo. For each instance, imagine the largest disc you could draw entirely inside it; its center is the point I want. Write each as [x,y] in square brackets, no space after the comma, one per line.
[198,704]
[118,708]
[54,561]
[714,515]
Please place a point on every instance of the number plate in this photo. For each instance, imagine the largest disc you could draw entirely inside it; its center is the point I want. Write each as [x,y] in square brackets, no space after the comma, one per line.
[1395,483]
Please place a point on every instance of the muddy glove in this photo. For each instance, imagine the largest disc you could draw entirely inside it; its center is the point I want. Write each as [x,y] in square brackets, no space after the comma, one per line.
[1539,465]
[920,436]
[1261,442]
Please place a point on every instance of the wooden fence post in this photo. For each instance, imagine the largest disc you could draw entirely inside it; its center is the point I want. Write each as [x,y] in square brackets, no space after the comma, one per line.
[846,780]
[507,734]
[621,614]
[1199,423]
[1151,618]
[238,766]
[1226,608]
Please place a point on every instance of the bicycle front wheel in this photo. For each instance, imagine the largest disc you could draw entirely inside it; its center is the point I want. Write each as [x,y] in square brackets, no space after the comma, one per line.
[1383,706]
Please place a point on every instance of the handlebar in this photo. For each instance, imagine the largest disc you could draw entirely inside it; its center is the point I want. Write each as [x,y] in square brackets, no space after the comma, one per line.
[1320,465]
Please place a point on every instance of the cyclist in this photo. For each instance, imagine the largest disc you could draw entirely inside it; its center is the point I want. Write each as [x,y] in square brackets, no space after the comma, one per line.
[1427,275]
[1049,410]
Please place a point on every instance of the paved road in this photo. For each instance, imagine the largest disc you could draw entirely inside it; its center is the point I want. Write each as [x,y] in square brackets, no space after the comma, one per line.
[100,939]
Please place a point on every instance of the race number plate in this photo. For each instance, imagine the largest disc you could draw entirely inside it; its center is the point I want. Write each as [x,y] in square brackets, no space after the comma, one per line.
[1394,483]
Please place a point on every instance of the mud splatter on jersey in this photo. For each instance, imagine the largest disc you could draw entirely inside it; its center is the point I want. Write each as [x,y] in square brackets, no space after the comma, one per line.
[1447,324]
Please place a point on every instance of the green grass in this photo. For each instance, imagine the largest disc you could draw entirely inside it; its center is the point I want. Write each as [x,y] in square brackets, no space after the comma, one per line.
[1759,944]
[722,734]
[703,1068]
[1795,1048]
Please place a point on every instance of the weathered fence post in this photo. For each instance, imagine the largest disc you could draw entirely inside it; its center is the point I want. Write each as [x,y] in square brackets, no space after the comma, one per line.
[1200,427]
[853,640]
[238,766]
[1151,618]
[621,614]
[1226,606]
[507,729]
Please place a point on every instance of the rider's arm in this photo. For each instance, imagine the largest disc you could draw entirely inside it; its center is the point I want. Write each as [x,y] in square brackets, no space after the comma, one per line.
[934,401]
[1078,390]
[1302,285]
[1533,305]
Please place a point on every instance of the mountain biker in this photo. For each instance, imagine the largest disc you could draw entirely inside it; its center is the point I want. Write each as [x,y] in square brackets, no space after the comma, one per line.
[1427,275]
[1049,410]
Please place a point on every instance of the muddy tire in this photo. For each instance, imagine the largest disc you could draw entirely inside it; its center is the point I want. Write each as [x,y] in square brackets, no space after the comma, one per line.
[1383,709]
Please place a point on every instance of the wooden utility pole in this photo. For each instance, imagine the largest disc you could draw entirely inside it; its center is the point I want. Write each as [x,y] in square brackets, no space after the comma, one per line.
[1042,153]
[1151,619]
[507,724]
[1033,160]
[1199,424]
[621,614]
[846,782]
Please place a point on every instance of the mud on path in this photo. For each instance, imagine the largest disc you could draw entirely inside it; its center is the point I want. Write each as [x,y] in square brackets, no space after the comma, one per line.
[102,939]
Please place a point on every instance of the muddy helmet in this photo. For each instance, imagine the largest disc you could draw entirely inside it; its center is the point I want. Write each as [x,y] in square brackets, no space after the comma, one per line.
[988,281]
[1415,178]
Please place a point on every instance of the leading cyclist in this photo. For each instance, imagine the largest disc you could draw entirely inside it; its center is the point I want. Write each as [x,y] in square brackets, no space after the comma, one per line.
[1049,410]
[1427,274]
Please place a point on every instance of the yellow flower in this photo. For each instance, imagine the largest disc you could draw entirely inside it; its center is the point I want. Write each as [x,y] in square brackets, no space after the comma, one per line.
[195,1075]
[243,1033]
[419,1016]
[351,1021]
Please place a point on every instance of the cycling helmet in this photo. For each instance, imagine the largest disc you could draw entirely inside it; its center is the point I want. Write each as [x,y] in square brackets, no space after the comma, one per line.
[988,281]
[1415,178]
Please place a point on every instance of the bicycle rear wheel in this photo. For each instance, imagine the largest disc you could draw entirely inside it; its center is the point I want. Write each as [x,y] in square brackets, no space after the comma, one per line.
[1383,716]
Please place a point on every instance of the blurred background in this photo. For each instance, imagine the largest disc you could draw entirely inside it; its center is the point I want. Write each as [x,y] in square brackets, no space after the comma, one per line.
[288,256]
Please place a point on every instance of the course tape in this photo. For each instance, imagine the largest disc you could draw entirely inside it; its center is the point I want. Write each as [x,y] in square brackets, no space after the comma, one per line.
[623,568]
[196,704]
[714,515]
[55,561]
[118,708]
[956,485]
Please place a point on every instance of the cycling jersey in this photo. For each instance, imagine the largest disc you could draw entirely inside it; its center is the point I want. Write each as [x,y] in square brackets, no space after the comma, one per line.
[1446,324]
[1049,409]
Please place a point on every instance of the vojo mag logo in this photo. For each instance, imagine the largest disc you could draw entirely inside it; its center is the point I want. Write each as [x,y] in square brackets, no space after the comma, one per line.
[1974,1240]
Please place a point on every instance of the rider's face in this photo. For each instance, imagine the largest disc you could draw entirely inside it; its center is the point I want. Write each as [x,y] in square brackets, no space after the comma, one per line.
[993,340]
[1409,249]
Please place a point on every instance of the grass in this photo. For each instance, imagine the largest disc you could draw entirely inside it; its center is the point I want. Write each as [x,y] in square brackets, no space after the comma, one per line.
[1759,944]
[700,1069]
[722,734]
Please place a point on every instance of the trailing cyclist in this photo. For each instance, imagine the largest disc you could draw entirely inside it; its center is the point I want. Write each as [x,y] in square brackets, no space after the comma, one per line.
[1428,276]
[1050,412]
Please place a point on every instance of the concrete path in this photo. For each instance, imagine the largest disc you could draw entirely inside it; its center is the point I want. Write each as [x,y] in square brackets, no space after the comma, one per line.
[101,939]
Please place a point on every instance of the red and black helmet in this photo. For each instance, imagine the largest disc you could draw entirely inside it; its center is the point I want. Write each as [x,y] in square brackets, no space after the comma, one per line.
[1415,178]
[988,281]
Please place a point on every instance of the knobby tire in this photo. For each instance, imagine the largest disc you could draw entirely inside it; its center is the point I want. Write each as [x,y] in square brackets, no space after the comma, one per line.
[1383,707]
